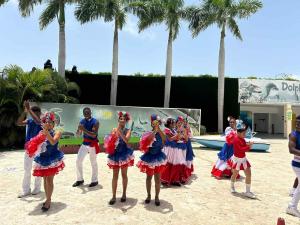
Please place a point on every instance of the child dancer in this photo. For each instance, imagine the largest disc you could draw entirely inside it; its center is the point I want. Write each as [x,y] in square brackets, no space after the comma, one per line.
[48,159]
[33,128]
[294,148]
[120,155]
[153,161]
[221,168]
[239,161]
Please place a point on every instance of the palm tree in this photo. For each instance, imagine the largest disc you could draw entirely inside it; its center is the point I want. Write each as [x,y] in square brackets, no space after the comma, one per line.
[109,10]
[170,12]
[54,9]
[18,85]
[224,14]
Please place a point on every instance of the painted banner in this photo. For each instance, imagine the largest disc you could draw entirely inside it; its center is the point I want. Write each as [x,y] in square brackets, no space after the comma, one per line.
[268,91]
[69,115]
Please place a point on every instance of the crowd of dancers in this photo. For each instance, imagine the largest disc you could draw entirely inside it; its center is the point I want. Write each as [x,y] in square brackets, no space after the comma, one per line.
[167,154]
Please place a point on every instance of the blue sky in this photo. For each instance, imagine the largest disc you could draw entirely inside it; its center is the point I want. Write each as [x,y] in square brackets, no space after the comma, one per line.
[271,44]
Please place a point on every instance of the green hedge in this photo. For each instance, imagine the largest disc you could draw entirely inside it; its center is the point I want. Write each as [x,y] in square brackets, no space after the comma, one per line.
[186,92]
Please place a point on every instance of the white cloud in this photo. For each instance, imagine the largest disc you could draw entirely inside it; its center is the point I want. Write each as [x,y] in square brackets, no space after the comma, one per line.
[14,2]
[132,29]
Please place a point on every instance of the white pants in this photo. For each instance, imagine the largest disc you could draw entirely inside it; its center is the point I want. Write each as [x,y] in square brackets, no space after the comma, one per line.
[27,176]
[296,196]
[82,152]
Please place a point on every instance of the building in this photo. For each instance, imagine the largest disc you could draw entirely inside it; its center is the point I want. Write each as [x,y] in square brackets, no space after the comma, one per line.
[269,106]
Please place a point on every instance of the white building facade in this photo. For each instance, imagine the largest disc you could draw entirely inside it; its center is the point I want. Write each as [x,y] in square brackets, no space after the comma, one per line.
[269,106]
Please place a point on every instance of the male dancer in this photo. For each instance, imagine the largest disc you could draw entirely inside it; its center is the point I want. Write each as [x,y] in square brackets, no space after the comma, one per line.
[294,148]
[89,127]
[33,128]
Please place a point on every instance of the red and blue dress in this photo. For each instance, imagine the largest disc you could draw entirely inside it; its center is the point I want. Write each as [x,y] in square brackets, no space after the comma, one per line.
[153,160]
[221,167]
[119,154]
[176,159]
[189,167]
[48,159]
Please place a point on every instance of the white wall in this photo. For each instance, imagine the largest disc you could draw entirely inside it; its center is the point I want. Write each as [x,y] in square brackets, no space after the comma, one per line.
[296,110]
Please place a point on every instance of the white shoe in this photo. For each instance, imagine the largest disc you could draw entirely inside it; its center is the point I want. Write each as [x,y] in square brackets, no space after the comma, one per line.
[293,211]
[232,189]
[250,195]
[21,195]
[35,192]
[292,191]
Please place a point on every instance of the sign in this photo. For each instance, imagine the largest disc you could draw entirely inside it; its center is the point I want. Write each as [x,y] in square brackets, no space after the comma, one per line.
[289,115]
[268,91]
[69,115]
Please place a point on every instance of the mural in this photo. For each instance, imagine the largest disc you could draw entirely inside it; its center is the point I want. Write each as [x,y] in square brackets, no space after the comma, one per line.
[268,91]
[69,115]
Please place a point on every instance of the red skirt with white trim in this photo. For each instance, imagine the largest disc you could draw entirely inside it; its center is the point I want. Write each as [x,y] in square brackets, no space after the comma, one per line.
[238,163]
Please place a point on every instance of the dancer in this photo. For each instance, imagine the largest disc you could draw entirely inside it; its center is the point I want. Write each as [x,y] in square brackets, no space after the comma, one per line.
[295,185]
[239,161]
[294,148]
[153,160]
[33,128]
[89,127]
[120,156]
[189,168]
[48,160]
[175,151]
[221,167]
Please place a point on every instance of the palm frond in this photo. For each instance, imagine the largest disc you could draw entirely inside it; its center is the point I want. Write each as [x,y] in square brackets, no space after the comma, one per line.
[121,17]
[26,6]
[199,19]
[234,28]
[49,14]
[89,10]
[245,8]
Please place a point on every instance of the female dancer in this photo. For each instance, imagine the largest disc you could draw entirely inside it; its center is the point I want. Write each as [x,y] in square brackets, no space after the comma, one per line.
[239,161]
[153,160]
[221,167]
[120,156]
[189,169]
[48,159]
[175,150]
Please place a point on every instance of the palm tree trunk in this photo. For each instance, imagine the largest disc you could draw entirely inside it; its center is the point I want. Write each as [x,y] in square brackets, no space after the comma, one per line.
[168,70]
[62,40]
[114,74]
[221,82]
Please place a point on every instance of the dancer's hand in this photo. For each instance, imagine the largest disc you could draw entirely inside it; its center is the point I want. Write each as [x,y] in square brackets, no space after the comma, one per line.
[26,106]
[119,132]
[80,127]
[250,143]
[114,131]
[45,127]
